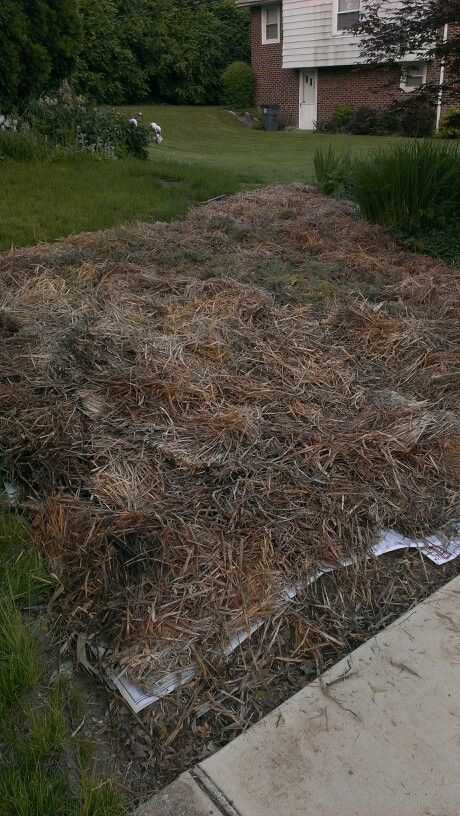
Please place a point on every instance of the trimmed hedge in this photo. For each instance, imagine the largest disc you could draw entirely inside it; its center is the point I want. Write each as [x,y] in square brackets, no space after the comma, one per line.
[449,124]
[238,86]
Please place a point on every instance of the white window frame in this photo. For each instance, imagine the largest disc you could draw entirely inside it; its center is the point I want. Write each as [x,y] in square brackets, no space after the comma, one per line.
[336,32]
[404,68]
[277,39]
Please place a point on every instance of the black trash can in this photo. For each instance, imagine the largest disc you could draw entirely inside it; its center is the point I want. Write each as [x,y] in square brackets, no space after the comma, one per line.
[270,117]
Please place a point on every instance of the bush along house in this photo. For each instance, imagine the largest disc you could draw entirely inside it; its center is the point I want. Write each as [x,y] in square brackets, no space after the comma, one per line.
[306,60]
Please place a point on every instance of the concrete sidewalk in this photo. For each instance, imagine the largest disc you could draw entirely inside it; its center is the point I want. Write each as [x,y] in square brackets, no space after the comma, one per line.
[377,735]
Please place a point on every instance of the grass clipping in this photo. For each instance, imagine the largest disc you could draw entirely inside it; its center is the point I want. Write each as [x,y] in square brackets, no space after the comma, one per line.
[191,441]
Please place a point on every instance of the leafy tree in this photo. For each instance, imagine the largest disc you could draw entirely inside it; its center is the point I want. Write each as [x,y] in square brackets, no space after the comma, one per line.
[120,50]
[391,34]
[188,70]
[140,33]
[38,43]
[170,50]
[195,41]
[13,34]
[107,69]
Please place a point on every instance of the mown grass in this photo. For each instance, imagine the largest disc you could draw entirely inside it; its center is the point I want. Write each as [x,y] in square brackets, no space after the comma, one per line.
[42,201]
[212,136]
[36,746]
[205,153]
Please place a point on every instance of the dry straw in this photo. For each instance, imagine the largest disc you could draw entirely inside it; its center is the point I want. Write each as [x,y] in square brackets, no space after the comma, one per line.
[201,412]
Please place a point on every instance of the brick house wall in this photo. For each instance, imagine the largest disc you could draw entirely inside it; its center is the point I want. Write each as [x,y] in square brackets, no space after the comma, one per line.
[376,87]
[273,84]
[373,86]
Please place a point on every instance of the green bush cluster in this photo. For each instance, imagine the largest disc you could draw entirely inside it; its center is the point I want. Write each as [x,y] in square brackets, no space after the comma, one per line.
[118,51]
[69,121]
[413,118]
[412,189]
[416,117]
[39,42]
[169,51]
[66,124]
[238,86]
[449,124]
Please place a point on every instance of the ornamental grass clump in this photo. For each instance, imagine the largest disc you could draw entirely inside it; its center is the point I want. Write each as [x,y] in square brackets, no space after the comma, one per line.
[333,171]
[410,188]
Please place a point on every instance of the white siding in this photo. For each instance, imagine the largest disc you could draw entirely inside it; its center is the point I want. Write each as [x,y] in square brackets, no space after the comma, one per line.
[308,39]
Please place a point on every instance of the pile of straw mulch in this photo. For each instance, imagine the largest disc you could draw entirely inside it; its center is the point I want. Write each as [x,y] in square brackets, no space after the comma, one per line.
[193,426]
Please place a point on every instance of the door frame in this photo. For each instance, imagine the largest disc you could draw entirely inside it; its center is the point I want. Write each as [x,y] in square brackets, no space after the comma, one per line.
[302,72]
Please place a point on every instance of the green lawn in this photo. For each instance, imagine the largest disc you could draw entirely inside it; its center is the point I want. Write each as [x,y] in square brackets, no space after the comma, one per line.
[44,201]
[211,136]
[205,152]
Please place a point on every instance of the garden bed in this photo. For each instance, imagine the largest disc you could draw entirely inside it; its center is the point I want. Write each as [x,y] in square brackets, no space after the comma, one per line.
[199,414]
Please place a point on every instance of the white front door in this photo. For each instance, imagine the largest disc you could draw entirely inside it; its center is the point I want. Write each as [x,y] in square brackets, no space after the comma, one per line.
[308,81]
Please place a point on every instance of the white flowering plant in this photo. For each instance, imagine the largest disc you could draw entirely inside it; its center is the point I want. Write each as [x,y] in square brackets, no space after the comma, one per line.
[67,124]
[69,121]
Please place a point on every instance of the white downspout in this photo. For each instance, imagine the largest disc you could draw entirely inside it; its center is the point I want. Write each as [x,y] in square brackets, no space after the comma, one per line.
[441,81]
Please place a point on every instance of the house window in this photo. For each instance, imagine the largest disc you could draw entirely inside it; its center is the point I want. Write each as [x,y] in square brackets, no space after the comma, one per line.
[270,24]
[413,75]
[346,14]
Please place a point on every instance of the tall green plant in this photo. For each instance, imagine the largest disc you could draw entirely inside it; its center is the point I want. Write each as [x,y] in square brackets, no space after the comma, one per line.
[410,187]
[69,121]
[107,70]
[449,124]
[333,171]
[341,116]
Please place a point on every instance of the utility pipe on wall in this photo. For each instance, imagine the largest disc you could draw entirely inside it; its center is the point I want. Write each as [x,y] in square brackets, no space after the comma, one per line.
[441,81]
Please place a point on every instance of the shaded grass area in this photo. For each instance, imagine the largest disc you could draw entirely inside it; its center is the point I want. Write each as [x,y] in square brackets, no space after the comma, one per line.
[37,748]
[44,201]
[440,243]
